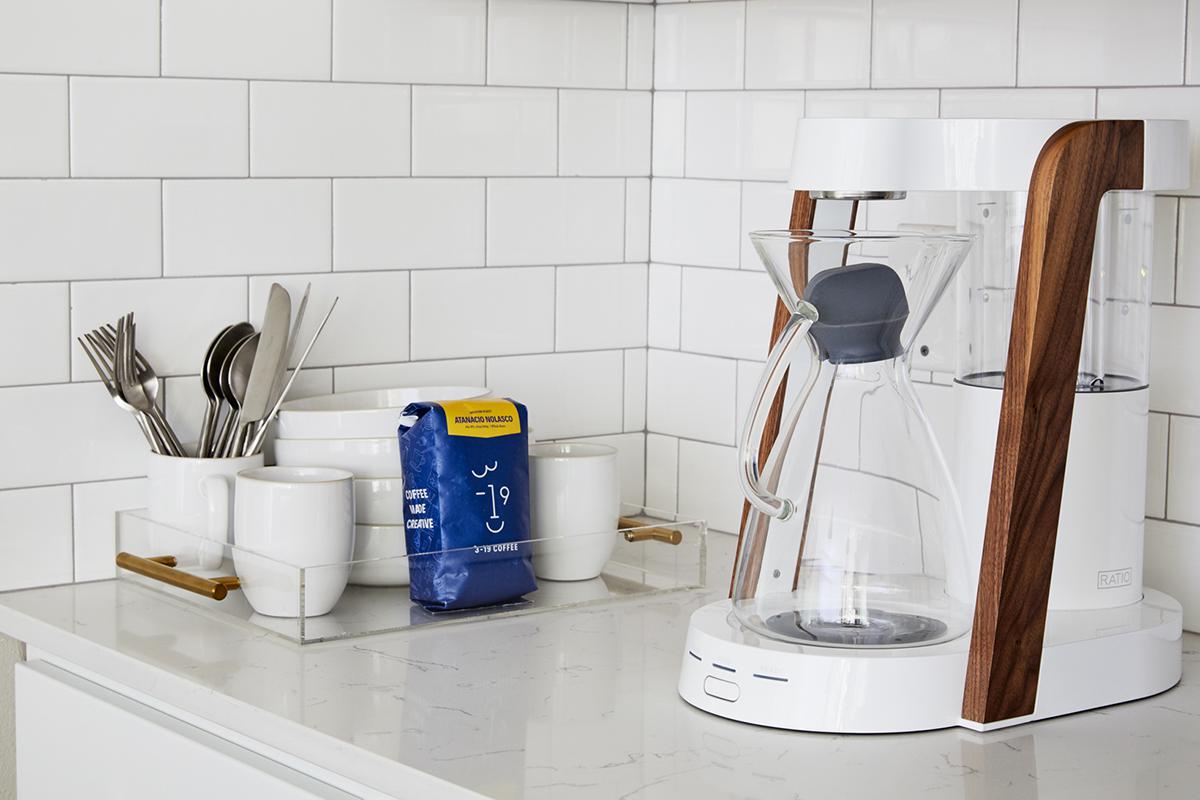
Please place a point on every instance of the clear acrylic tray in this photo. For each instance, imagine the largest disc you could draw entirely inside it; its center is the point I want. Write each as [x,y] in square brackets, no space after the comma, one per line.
[649,557]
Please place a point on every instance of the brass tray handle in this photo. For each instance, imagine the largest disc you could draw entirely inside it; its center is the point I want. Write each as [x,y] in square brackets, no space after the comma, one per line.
[162,568]
[642,534]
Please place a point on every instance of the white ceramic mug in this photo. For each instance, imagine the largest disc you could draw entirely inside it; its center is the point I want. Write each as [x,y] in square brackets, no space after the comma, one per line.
[575,494]
[196,495]
[287,519]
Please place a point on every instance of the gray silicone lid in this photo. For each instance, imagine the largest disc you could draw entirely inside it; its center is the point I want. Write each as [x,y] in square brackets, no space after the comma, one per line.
[861,309]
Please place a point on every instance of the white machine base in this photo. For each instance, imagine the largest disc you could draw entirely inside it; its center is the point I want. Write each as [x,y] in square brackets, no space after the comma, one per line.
[1091,659]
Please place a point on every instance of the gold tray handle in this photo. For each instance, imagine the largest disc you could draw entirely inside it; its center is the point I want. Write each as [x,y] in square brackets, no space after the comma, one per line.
[643,534]
[162,568]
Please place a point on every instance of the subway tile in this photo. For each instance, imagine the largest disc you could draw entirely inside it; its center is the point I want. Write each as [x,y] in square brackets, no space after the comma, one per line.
[61,230]
[944,43]
[555,221]
[662,473]
[410,41]
[1166,243]
[1183,483]
[246,38]
[225,227]
[1173,334]
[635,389]
[695,222]
[691,396]
[708,485]
[33,138]
[44,358]
[161,127]
[551,43]
[796,44]
[1101,42]
[765,206]
[741,135]
[461,130]
[601,306]
[1156,466]
[1043,103]
[1187,266]
[872,103]
[95,507]
[1157,103]
[726,312]
[323,129]
[1192,65]
[91,37]
[1172,559]
[69,432]
[700,46]
[639,71]
[748,374]
[176,318]
[603,133]
[459,313]
[664,285]
[637,219]
[35,542]
[407,223]
[456,372]
[368,326]
[568,394]
[667,137]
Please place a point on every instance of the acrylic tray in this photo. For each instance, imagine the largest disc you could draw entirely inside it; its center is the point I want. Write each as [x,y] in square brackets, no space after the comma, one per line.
[650,557]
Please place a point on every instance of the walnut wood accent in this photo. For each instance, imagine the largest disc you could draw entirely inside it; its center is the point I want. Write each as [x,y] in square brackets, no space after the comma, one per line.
[1077,165]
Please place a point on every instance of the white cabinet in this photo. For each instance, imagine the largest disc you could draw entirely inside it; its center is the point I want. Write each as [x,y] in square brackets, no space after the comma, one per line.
[78,739]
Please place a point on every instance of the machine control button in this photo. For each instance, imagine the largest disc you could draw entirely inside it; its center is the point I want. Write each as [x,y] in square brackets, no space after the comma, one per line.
[721,689]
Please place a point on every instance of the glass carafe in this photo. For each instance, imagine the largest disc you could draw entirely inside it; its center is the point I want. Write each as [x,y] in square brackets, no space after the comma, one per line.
[855,535]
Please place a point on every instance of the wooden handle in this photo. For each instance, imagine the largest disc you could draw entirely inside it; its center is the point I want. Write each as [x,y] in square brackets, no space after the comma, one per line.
[162,568]
[641,533]
[1077,165]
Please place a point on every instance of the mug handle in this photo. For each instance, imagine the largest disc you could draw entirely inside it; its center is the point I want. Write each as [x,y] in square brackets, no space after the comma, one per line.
[215,489]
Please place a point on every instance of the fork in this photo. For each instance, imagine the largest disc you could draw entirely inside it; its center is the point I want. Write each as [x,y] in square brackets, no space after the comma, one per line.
[131,388]
[107,377]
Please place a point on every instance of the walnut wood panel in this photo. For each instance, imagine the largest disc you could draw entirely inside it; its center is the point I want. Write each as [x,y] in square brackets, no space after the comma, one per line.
[1077,165]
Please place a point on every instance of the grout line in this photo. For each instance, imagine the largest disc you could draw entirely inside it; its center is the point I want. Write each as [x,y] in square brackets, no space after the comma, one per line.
[1167,472]
[1176,249]
[69,164]
[162,228]
[71,515]
[160,38]
[870,48]
[249,129]
[331,38]
[1016,45]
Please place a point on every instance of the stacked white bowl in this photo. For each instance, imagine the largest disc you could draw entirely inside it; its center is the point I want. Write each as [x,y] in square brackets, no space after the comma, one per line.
[356,431]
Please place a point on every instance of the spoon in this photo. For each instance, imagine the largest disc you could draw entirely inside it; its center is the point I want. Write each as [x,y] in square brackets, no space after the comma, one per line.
[235,379]
[210,379]
[220,445]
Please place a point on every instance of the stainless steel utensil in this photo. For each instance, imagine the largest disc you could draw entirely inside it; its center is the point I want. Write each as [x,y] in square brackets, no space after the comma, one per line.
[220,443]
[234,378]
[105,340]
[293,336]
[104,369]
[210,379]
[272,346]
[129,378]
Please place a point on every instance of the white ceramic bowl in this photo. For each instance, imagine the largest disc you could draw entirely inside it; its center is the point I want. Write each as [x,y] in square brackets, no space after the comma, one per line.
[379,501]
[360,415]
[366,458]
[380,541]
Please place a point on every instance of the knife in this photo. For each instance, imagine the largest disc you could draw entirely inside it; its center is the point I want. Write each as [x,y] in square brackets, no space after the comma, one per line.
[293,336]
[272,348]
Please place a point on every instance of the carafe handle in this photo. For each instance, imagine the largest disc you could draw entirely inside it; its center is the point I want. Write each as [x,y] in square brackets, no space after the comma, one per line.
[754,487]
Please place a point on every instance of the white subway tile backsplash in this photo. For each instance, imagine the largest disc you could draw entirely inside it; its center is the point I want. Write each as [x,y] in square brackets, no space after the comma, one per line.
[603,133]
[90,37]
[143,127]
[1156,466]
[944,43]
[461,130]
[765,206]
[599,307]
[95,507]
[409,41]
[1172,553]
[457,372]
[246,38]
[225,227]
[568,394]
[639,72]
[637,219]
[872,103]
[708,485]
[695,222]
[369,325]
[635,389]
[1166,241]
[741,135]
[323,129]
[691,396]
[33,136]
[726,312]
[664,294]
[700,46]
[1183,487]
[555,221]
[1192,61]
[56,230]
[1101,42]
[551,43]
[407,223]
[796,44]
[662,473]
[459,313]
[1045,103]
[41,358]
[667,151]
[35,541]
[748,374]
[1157,103]
[1187,266]
[1173,334]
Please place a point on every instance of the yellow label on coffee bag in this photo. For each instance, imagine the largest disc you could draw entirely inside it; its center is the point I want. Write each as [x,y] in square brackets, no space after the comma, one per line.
[482,419]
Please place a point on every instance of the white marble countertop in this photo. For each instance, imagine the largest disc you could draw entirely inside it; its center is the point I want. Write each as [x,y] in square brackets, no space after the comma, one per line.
[578,702]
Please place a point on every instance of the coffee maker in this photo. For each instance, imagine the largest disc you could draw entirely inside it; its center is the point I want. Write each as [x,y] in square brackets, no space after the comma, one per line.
[881,585]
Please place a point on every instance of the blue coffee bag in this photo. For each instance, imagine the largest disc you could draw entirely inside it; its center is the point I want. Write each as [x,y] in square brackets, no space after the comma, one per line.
[465,466]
